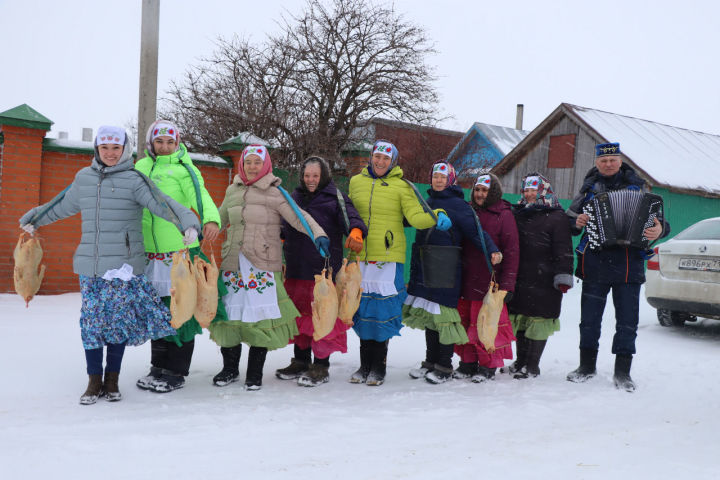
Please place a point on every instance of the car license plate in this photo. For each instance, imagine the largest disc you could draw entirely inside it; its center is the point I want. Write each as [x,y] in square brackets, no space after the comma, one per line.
[704,264]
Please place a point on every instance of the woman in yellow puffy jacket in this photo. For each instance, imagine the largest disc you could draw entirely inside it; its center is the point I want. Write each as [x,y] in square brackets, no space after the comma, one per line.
[383,199]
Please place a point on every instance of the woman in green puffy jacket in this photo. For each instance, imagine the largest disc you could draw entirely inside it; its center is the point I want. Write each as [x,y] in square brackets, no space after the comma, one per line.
[383,199]
[169,166]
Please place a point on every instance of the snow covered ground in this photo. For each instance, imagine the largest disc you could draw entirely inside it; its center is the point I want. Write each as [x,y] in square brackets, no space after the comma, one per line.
[541,428]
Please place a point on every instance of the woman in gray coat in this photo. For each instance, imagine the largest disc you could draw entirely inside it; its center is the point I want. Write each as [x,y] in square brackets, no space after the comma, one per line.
[119,306]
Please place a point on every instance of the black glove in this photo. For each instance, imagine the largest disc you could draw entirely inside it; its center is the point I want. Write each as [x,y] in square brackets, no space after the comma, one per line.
[508,297]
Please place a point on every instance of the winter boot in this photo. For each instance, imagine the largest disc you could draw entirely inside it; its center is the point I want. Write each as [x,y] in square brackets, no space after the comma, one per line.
[256,362]
[521,348]
[110,387]
[534,352]
[422,371]
[439,374]
[361,374]
[167,382]
[145,383]
[587,369]
[483,375]
[93,390]
[231,366]
[378,367]
[316,375]
[622,373]
[466,370]
[298,365]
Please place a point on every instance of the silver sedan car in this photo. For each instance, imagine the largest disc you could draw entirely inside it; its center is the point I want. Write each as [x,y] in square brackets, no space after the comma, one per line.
[683,277]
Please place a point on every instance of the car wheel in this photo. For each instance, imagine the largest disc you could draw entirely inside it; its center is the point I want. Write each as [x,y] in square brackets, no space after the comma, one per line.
[668,318]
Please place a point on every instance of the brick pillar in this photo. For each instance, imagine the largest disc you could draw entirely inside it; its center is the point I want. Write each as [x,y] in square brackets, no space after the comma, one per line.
[235,157]
[23,130]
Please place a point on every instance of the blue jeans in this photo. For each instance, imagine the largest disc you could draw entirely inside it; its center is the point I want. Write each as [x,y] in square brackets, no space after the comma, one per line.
[626,298]
[94,358]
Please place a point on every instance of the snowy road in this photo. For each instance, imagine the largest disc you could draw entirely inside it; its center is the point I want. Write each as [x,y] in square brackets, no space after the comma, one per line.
[542,428]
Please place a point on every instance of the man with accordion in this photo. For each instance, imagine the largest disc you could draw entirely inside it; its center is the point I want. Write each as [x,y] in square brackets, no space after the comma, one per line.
[619,220]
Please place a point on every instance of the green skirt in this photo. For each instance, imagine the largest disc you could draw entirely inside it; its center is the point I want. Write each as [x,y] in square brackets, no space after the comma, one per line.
[272,333]
[536,328]
[446,323]
[189,329]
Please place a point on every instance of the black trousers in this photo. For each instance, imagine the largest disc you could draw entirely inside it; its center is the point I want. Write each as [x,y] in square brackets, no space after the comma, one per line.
[170,356]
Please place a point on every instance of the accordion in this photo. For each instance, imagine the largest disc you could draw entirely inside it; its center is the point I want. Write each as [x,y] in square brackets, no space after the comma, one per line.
[619,218]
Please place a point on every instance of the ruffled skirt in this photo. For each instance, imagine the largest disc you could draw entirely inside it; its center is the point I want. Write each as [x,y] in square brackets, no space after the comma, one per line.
[301,293]
[117,311]
[474,351]
[271,333]
[421,314]
[536,328]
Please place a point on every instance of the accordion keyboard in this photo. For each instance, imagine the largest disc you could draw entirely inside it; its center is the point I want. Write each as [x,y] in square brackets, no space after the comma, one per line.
[620,217]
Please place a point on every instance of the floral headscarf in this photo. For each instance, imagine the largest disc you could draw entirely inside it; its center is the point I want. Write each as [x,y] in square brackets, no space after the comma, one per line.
[386,148]
[161,128]
[441,166]
[262,152]
[545,195]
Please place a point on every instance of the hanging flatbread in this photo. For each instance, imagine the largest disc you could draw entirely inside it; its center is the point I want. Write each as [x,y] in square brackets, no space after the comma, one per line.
[324,306]
[347,284]
[206,275]
[28,273]
[183,290]
[489,316]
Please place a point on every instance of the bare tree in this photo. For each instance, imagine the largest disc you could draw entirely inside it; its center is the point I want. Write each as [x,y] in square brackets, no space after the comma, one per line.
[310,85]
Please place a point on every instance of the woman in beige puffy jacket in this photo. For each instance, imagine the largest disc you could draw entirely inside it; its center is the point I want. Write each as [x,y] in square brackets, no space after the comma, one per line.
[260,313]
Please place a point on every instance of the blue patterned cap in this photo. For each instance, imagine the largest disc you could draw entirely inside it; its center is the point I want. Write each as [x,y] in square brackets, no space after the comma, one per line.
[602,149]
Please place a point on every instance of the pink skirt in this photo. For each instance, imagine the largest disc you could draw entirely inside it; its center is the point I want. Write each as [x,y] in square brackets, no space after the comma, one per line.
[474,351]
[301,293]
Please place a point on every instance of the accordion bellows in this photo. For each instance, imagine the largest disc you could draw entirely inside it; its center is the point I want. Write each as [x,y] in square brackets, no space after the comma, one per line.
[619,218]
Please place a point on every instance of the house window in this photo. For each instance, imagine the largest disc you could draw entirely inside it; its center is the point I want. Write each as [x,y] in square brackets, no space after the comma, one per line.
[562,151]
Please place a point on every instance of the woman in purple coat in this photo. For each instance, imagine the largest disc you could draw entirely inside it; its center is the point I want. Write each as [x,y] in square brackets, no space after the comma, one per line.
[318,196]
[496,217]
[545,273]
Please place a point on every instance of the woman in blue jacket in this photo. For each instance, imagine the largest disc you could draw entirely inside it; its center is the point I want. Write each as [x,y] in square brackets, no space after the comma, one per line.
[435,309]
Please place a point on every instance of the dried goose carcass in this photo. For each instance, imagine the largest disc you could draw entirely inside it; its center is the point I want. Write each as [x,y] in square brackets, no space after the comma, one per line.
[324,306]
[28,273]
[489,316]
[348,281]
[206,275]
[183,292]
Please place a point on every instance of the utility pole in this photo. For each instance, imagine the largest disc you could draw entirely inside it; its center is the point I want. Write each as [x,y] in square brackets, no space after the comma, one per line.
[149,41]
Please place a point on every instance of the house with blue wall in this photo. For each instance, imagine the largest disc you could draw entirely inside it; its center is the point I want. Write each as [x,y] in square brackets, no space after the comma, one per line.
[482,147]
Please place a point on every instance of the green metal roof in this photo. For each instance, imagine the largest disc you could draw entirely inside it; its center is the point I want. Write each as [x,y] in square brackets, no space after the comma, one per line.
[25,116]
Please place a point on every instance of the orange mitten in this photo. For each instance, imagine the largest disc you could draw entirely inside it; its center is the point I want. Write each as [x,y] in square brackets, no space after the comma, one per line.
[354,241]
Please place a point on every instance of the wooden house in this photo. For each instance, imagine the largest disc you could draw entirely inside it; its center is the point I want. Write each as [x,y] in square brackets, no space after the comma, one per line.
[679,164]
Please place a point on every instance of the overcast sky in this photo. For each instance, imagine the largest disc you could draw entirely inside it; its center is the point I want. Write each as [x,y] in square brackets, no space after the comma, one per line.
[77,61]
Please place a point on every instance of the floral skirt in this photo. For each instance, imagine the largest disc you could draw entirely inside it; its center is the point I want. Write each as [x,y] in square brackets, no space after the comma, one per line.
[421,314]
[157,269]
[380,316]
[536,328]
[301,293]
[117,311]
[474,351]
